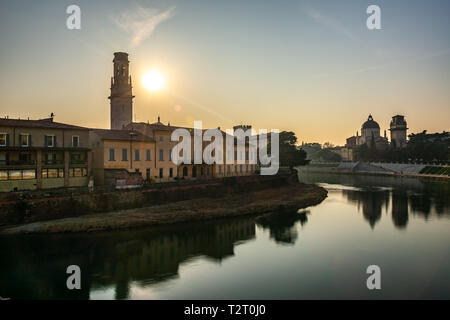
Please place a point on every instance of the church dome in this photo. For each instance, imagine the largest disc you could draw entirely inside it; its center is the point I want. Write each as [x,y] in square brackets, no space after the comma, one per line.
[370,124]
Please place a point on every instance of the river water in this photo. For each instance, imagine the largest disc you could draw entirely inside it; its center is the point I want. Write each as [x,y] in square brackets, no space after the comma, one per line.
[401,225]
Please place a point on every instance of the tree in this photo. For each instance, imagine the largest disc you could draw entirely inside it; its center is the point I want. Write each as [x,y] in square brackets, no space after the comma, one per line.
[290,155]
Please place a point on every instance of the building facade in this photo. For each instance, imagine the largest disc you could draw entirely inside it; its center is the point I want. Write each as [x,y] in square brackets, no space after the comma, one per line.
[122,155]
[42,154]
[161,133]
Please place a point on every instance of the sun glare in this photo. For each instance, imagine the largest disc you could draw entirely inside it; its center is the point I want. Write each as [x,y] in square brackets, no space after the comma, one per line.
[153,80]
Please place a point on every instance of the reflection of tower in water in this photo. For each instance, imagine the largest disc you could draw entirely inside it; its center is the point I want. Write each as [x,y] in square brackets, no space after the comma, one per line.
[372,202]
[400,209]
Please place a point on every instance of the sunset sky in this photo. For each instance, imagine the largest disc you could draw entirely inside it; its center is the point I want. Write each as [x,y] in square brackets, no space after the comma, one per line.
[311,67]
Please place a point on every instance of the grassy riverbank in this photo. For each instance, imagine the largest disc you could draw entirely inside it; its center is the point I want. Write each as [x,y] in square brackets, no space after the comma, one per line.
[290,197]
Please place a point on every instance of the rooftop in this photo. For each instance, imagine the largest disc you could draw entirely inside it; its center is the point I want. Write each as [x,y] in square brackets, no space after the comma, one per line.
[41,123]
[106,134]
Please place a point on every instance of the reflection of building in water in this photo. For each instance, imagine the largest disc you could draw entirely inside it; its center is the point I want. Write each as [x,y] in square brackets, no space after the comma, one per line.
[371,201]
[399,209]
[281,225]
[144,256]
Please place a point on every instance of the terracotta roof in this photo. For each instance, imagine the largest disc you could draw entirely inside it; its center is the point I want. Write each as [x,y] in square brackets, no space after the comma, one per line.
[106,134]
[42,123]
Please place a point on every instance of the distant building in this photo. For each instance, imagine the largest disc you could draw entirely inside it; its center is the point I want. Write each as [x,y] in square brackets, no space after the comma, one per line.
[370,135]
[398,131]
[351,142]
[42,154]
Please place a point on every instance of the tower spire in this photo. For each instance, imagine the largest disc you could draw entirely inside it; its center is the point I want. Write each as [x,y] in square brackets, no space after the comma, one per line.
[121,98]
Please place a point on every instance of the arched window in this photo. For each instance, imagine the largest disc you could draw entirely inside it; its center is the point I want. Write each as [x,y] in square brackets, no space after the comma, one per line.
[194,172]
[185,172]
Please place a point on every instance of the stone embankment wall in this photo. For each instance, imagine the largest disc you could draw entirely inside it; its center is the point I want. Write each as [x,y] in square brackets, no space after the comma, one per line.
[24,208]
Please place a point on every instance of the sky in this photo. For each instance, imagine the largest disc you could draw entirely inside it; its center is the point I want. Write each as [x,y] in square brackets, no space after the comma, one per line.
[312,67]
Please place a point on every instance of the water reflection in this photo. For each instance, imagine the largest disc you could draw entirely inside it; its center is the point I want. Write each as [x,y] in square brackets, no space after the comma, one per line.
[31,266]
[148,261]
[400,196]
[282,225]
[371,202]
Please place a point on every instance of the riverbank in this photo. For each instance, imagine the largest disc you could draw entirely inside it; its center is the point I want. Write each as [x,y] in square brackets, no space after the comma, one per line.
[335,170]
[290,197]
[26,207]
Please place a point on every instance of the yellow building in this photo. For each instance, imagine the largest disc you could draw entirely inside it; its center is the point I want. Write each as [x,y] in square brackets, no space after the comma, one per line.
[42,154]
[161,133]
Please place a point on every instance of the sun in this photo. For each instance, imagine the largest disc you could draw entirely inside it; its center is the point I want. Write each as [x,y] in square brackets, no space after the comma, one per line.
[153,80]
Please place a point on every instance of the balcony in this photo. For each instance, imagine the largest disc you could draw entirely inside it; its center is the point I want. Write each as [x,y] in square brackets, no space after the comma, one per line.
[78,161]
[52,162]
[17,162]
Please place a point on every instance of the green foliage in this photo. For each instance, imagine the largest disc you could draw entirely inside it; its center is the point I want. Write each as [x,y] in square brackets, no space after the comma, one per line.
[290,155]
[421,147]
[445,171]
[317,153]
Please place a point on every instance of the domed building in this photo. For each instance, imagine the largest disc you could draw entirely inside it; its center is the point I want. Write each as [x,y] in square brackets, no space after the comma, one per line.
[370,134]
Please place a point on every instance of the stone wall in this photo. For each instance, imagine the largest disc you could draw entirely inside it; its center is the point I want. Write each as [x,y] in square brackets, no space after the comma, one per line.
[24,209]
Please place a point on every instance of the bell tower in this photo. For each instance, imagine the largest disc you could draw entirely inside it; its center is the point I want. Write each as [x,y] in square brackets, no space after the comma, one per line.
[121,97]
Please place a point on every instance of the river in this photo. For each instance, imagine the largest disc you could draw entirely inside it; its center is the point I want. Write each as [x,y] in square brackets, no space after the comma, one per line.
[401,225]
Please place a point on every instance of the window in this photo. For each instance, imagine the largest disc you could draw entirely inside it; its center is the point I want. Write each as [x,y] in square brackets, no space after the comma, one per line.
[220,169]
[148,155]
[15,174]
[50,158]
[52,173]
[24,139]
[3,138]
[29,174]
[4,157]
[161,138]
[170,155]
[161,172]
[75,158]
[207,171]
[240,168]
[75,141]
[246,155]
[112,155]
[235,169]
[124,154]
[147,171]
[171,172]
[246,168]
[50,141]
[137,155]
[77,172]
[228,169]
[161,155]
